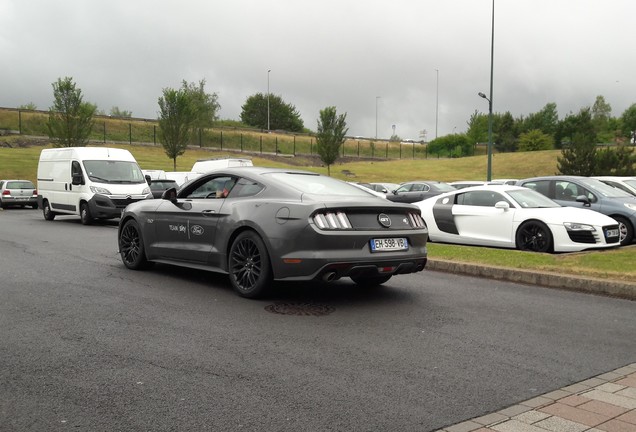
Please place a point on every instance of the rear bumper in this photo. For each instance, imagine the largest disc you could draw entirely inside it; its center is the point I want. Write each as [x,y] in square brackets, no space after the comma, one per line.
[19,201]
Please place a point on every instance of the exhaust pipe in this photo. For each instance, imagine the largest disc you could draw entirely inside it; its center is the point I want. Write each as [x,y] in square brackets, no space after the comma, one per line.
[328,277]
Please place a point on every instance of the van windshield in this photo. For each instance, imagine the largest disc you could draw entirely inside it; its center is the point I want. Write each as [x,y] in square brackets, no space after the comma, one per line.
[107,171]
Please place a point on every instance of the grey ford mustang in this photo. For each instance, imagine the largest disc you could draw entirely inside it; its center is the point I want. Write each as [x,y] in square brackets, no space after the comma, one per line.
[262,224]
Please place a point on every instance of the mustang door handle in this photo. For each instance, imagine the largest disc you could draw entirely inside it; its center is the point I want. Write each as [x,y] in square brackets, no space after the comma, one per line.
[208,212]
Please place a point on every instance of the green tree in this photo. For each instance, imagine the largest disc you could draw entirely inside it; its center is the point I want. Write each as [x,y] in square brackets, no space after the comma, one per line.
[535,140]
[619,161]
[453,145]
[506,138]
[579,157]
[546,120]
[30,107]
[330,136]
[116,112]
[282,116]
[176,117]
[601,116]
[628,119]
[477,128]
[574,124]
[70,118]
[205,105]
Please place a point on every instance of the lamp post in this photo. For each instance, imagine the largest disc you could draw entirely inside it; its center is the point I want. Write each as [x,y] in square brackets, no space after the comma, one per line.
[376,116]
[489,99]
[436,101]
[268,71]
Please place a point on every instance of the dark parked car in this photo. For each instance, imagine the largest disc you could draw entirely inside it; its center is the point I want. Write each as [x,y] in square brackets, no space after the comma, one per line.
[157,187]
[585,192]
[263,224]
[418,190]
[19,193]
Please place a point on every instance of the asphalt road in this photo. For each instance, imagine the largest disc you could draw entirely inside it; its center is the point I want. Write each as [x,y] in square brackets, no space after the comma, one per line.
[91,346]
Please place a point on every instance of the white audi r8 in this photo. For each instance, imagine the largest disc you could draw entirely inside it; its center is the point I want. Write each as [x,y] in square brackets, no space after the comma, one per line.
[515,217]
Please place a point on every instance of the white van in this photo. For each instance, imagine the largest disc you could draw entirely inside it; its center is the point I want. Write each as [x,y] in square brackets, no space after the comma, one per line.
[91,182]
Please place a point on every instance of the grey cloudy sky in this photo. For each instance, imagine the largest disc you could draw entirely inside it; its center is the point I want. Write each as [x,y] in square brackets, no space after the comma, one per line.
[341,53]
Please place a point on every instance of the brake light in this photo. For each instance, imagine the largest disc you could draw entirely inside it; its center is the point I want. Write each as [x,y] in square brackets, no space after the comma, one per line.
[6,192]
[332,220]
[35,191]
[416,220]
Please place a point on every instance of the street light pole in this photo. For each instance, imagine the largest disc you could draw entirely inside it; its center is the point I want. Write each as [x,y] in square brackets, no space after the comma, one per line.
[436,102]
[268,71]
[492,55]
[376,116]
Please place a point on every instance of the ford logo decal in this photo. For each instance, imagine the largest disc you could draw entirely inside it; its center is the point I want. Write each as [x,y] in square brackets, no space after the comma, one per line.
[196,230]
[384,220]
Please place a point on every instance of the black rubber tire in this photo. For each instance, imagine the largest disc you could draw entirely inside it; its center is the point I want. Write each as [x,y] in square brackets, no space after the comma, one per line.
[249,265]
[534,236]
[34,206]
[371,281]
[49,214]
[85,214]
[131,246]
[625,230]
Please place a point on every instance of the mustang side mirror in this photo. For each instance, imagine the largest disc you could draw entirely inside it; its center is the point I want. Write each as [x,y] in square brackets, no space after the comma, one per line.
[170,195]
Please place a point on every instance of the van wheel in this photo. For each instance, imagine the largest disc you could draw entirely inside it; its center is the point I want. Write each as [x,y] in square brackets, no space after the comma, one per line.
[85,214]
[131,246]
[49,215]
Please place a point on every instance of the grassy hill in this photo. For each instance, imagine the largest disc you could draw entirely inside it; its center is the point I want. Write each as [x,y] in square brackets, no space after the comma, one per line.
[19,159]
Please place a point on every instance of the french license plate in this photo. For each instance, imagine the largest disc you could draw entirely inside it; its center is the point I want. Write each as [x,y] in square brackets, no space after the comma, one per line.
[388,244]
[611,233]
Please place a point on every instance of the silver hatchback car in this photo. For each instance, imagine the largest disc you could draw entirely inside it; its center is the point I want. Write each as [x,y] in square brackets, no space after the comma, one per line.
[20,193]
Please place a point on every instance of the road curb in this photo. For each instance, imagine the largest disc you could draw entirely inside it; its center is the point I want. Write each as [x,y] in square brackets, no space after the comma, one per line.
[598,286]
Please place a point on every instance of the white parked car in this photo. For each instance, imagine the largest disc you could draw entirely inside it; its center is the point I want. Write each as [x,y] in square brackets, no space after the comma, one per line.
[515,217]
[627,184]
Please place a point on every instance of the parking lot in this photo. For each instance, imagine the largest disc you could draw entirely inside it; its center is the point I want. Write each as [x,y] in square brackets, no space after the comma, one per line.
[90,345]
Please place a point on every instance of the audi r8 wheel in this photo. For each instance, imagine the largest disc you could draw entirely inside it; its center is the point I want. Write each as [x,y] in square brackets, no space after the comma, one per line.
[249,265]
[534,236]
[131,246]
[49,214]
[370,280]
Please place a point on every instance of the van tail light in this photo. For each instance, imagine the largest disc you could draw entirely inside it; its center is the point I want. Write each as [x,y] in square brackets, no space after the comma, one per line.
[35,192]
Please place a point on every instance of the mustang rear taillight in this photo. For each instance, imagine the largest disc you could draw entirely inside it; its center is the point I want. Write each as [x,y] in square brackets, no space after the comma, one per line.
[332,220]
[416,220]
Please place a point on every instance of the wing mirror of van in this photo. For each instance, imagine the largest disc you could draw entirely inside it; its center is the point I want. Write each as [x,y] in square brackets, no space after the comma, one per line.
[77,180]
[170,195]
[148,179]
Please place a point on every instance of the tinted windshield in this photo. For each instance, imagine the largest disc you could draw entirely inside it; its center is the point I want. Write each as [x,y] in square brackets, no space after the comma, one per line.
[319,185]
[602,189]
[531,199]
[107,171]
[445,187]
[162,184]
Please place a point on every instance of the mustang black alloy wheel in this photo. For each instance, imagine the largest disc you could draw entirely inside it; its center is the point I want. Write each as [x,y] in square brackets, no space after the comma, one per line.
[131,247]
[534,236]
[249,266]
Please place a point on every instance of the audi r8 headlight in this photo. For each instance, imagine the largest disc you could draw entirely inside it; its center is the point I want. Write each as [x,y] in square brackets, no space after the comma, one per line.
[100,190]
[574,226]
[630,206]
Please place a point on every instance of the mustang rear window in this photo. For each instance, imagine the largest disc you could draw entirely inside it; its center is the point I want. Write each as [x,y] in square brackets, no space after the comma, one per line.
[319,185]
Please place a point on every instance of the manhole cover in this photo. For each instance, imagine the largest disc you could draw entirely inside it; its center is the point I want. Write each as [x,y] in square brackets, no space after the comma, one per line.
[303,309]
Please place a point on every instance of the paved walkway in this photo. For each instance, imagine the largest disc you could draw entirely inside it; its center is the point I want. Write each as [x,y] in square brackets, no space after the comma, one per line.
[604,403]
